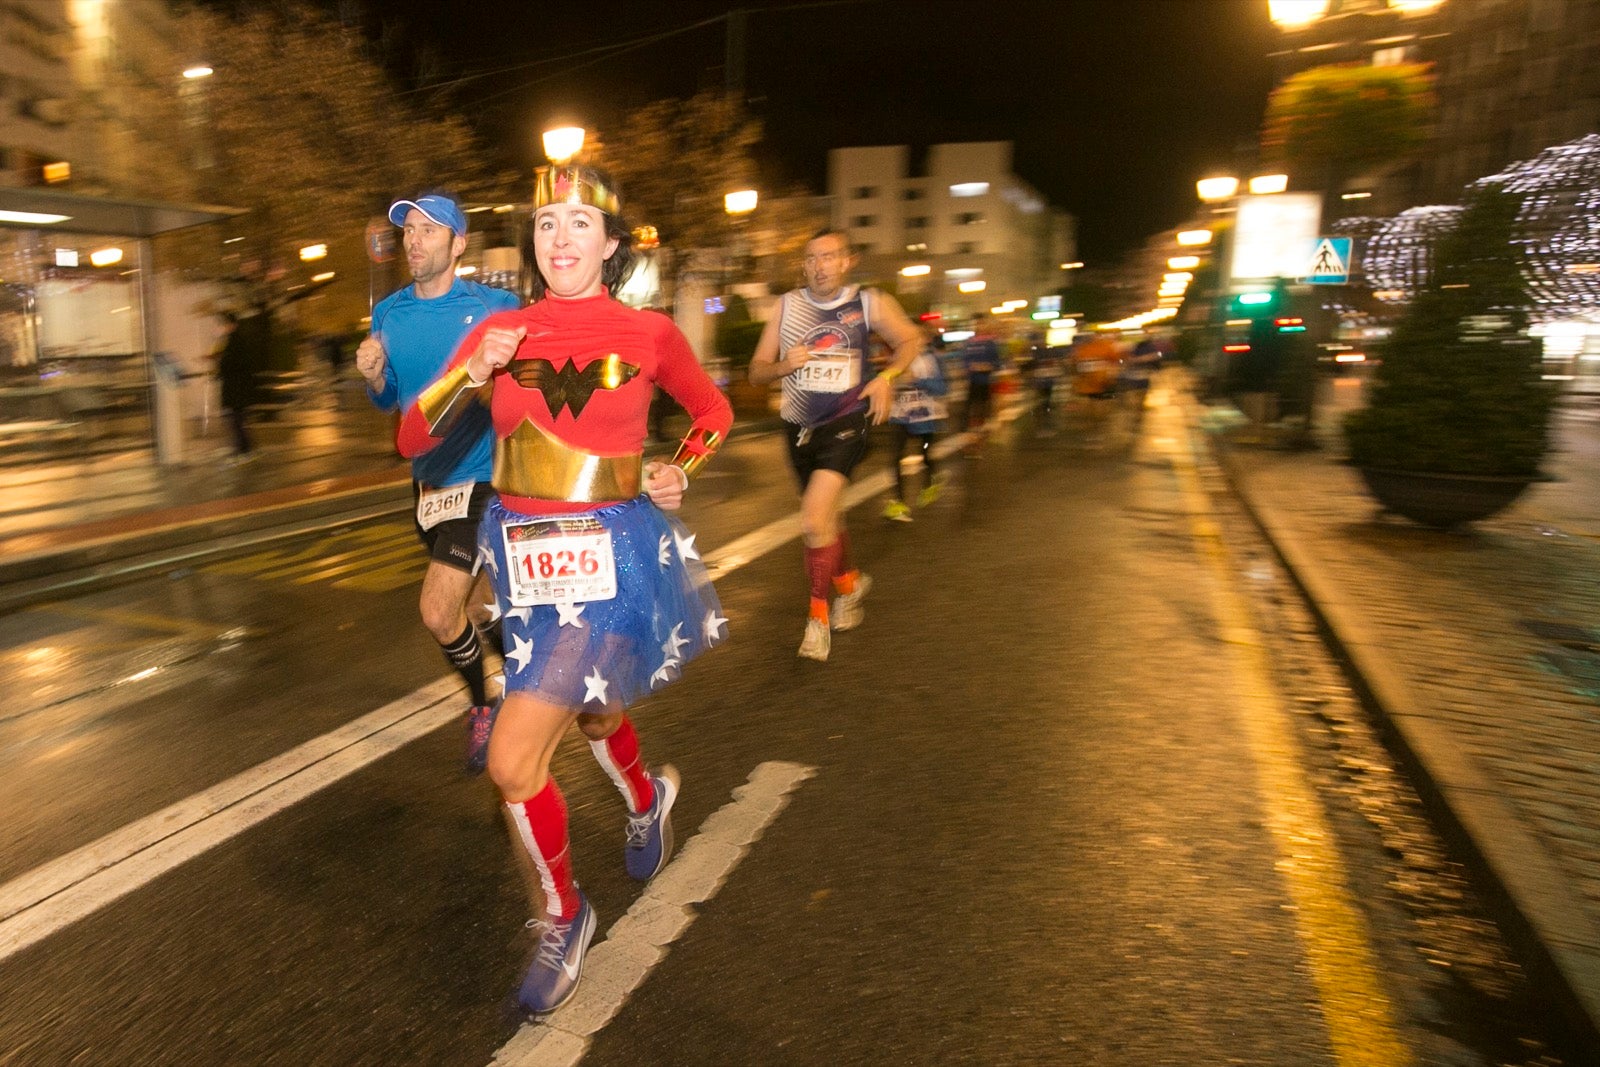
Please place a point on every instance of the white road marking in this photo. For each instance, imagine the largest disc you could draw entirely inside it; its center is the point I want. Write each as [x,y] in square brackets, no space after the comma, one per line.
[638,941]
[59,893]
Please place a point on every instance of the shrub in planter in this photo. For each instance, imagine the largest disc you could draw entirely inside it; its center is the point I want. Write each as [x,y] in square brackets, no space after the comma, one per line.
[1459,390]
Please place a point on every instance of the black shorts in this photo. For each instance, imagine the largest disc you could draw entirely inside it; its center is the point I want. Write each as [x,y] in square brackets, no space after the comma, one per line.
[834,446]
[454,542]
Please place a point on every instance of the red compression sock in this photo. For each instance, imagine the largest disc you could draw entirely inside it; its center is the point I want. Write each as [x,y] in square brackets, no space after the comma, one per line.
[619,756]
[541,823]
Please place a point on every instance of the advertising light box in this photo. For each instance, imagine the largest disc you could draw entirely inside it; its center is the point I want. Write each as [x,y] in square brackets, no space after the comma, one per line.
[1272,233]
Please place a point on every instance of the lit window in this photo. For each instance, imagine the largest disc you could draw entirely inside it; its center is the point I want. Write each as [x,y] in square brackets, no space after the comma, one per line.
[969,189]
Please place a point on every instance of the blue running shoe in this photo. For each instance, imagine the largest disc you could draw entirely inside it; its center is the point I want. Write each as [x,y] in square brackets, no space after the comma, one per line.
[557,964]
[650,833]
[480,723]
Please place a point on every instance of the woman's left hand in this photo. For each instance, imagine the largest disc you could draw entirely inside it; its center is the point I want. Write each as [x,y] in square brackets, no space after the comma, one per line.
[665,484]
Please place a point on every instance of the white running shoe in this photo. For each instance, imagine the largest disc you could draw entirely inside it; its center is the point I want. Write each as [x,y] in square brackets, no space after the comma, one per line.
[848,612]
[817,640]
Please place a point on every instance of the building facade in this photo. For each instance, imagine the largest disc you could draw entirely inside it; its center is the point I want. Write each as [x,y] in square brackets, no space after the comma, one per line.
[927,223]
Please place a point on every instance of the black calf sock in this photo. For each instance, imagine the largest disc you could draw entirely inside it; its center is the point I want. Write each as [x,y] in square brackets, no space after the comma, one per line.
[466,656]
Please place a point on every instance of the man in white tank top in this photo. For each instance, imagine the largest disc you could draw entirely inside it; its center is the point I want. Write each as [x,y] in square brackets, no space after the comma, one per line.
[817,344]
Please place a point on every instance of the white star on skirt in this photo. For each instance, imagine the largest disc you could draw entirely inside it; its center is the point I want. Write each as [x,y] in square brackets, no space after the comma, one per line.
[521,652]
[569,614]
[594,687]
[714,624]
[675,641]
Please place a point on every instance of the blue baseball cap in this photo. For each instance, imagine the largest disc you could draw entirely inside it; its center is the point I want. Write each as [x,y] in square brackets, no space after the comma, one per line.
[441,209]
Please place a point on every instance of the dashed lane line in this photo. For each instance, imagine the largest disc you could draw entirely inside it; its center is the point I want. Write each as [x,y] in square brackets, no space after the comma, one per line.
[639,940]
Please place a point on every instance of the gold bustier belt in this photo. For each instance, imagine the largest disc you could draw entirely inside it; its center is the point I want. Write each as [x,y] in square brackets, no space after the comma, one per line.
[533,463]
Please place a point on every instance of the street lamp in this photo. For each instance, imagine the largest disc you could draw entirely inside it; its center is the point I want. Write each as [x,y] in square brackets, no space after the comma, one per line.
[563,143]
[1296,14]
[1266,184]
[740,202]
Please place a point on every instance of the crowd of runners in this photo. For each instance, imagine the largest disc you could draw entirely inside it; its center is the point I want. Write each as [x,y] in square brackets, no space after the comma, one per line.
[551,537]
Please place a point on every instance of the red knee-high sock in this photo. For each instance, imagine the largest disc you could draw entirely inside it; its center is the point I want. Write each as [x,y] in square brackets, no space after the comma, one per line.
[820,566]
[844,572]
[619,756]
[541,823]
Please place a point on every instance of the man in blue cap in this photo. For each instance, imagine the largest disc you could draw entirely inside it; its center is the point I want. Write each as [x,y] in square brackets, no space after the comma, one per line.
[415,331]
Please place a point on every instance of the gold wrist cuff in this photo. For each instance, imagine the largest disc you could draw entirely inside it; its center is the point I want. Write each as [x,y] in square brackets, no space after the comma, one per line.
[444,402]
[531,462]
[696,448]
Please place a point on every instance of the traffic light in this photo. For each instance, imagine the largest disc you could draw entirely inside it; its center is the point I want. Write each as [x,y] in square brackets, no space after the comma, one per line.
[1291,324]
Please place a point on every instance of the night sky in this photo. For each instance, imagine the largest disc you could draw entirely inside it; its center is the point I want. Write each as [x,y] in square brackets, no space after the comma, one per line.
[1115,106]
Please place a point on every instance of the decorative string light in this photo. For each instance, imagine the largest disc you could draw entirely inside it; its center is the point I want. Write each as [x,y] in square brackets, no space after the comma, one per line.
[1400,253]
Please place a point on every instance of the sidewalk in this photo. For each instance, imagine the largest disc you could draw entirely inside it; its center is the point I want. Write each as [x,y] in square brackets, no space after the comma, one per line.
[68,512]
[1481,651]
[68,521]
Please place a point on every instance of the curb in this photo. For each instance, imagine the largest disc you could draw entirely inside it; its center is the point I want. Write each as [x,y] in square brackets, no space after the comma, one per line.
[1555,943]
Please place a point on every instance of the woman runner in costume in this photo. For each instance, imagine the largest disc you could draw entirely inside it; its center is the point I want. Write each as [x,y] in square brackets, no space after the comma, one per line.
[604,597]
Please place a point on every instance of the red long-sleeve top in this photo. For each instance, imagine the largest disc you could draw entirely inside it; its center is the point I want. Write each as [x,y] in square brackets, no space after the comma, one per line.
[610,422]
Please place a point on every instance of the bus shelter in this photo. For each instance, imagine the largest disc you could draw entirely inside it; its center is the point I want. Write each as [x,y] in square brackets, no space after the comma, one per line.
[81,322]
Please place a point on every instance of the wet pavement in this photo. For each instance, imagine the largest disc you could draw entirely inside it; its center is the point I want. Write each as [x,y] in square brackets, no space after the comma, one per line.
[1480,651]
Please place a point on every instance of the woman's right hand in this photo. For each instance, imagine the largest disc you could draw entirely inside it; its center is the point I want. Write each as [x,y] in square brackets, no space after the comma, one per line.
[496,349]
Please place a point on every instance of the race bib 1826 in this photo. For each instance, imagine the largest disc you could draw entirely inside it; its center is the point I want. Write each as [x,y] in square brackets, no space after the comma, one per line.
[559,561]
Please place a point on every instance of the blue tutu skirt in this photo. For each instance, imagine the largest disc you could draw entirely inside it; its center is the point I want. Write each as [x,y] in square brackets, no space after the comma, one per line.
[602,654]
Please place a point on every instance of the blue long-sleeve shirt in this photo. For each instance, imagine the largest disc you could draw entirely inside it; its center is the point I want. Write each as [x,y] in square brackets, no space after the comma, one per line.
[419,337]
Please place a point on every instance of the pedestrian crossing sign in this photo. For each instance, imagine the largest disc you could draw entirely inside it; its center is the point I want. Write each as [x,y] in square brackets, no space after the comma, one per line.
[1330,261]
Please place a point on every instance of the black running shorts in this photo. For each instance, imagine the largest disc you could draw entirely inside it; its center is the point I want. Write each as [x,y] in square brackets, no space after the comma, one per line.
[834,446]
[454,542]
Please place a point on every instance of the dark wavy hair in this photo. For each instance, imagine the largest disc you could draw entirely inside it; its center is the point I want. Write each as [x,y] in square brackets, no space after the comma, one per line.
[620,264]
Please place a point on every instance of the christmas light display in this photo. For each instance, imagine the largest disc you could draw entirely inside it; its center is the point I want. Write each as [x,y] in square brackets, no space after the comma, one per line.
[1558,227]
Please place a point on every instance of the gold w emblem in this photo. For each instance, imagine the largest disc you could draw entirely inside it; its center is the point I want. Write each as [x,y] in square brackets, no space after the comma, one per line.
[569,387]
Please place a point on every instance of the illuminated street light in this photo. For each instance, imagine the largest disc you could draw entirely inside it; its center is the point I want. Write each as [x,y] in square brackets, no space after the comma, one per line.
[32,218]
[199,70]
[106,257]
[1213,190]
[1413,7]
[313,252]
[741,202]
[1296,14]
[1071,266]
[1193,238]
[916,270]
[1178,276]
[325,276]
[1264,184]
[1183,262]
[975,286]
[563,143]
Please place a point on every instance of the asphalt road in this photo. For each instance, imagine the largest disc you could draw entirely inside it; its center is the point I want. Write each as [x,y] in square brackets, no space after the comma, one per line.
[1084,789]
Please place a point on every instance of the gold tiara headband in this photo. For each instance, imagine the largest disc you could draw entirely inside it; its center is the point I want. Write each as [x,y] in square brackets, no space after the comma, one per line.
[568,185]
